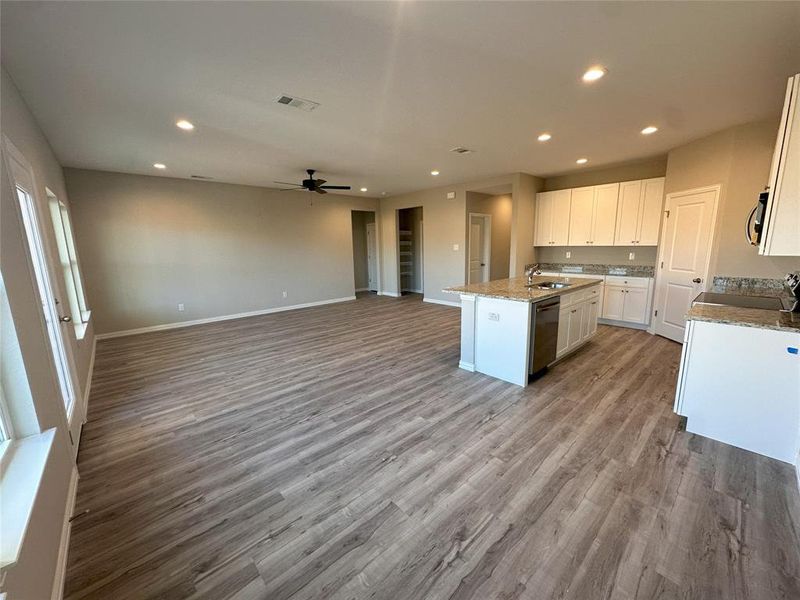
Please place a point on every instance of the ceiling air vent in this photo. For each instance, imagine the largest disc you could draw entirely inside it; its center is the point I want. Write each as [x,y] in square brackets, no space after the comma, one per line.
[296,102]
[205,177]
[461,150]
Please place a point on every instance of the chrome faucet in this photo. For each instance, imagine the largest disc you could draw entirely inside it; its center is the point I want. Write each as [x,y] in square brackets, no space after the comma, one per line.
[531,271]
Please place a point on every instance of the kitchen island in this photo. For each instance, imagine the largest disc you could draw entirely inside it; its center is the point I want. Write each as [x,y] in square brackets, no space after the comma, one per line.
[499,323]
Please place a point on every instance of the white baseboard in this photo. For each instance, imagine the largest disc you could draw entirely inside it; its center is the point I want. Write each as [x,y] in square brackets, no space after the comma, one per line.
[254,313]
[66,529]
[442,302]
[614,323]
[89,380]
[390,294]
[466,366]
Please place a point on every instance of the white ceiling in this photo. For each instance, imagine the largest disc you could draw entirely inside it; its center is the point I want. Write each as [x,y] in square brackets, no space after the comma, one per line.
[400,84]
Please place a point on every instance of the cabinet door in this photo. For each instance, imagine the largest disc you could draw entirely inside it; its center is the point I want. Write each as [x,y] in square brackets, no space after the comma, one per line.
[604,218]
[562,345]
[628,213]
[560,208]
[543,217]
[581,207]
[574,338]
[613,302]
[650,212]
[592,311]
[635,308]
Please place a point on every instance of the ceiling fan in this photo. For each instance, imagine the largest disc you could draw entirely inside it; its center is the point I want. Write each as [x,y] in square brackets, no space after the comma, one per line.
[313,185]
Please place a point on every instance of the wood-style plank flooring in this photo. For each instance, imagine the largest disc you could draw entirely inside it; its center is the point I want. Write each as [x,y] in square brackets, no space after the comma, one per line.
[338,452]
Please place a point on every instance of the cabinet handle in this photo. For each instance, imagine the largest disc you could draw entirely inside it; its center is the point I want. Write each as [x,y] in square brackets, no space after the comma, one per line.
[574,310]
[595,302]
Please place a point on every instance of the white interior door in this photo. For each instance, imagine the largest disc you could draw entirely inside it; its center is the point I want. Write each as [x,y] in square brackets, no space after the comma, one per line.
[684,257]
[479,247]
[56,324]
[372,258]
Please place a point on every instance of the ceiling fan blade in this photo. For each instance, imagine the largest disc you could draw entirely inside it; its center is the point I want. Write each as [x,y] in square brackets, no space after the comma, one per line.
[335,187]
[287,183]
[320,191]
[319,182]
[292,189]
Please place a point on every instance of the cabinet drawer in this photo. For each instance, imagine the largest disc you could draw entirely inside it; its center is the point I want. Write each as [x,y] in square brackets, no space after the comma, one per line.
[631,282]
[570,299]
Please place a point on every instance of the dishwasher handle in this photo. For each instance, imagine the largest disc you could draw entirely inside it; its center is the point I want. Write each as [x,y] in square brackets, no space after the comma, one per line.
[545,308]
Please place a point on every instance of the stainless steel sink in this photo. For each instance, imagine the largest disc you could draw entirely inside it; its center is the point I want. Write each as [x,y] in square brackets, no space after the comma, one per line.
[549,285]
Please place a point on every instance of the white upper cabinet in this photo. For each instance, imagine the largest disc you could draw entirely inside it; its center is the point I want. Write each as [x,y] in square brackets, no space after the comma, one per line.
[580,216]
[639,212]
[605,214]
[781,228]
[552,218]
[592,215]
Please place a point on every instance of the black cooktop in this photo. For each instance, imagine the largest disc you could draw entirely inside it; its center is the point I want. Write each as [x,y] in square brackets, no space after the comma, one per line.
[765,302]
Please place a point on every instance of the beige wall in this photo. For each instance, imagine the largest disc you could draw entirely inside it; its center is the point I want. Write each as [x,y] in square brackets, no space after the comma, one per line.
[445,226]
[523,194]
[149,243]
[738,159]
[360,219]
[599,255]
[644,169]
[32,576]
[500,207]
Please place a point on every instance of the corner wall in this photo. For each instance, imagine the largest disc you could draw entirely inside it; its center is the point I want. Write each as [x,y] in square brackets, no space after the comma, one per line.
[739,159]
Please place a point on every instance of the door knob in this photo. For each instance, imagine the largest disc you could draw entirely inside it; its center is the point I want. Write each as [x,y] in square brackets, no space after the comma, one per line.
[696,280]
[65,319]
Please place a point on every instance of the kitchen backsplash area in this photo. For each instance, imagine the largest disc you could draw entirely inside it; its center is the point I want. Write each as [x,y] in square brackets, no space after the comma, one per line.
[598,255]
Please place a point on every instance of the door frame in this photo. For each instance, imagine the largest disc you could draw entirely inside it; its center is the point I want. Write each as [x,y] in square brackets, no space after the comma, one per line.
[75,414]
[658,282]
[487,242]
[375,212]
[375,258]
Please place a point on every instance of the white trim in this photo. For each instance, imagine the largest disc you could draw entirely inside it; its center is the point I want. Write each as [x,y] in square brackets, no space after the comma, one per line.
[89,381]
[66,530]
[390,294]
[628,324]
[442,302]
[254,313]
[487,243]
[467,366]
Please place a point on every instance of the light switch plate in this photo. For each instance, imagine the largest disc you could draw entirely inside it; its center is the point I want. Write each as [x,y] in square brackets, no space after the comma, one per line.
[455,247]
[451,195]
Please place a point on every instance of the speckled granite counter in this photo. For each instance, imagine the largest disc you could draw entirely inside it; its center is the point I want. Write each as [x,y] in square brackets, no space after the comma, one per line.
[597,269]
[745,317]
[516,288]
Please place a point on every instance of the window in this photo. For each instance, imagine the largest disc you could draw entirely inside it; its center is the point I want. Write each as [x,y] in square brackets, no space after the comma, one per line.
[69,264]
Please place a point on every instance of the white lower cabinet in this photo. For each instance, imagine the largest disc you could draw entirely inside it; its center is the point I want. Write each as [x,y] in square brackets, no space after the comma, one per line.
[577,319]
[627,299]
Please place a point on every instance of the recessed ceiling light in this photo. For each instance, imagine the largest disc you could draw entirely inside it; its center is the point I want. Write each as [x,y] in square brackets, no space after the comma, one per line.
[649,129]
[185,125]
[594,73]
[582,161]
[159,165]
[544,137]
[434,173]
[363,189]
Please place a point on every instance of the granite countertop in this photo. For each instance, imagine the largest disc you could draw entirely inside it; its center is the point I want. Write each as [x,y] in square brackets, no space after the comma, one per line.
[516,289]
[746,317]
[598,269]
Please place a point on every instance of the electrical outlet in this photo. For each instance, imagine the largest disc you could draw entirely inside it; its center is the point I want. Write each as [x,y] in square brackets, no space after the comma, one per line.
[455,247]
[285,293]
[631,255]
[180,307]
[494,316]
[569,254]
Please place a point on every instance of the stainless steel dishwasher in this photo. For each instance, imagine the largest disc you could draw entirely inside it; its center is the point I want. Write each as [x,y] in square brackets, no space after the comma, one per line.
[544,333]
